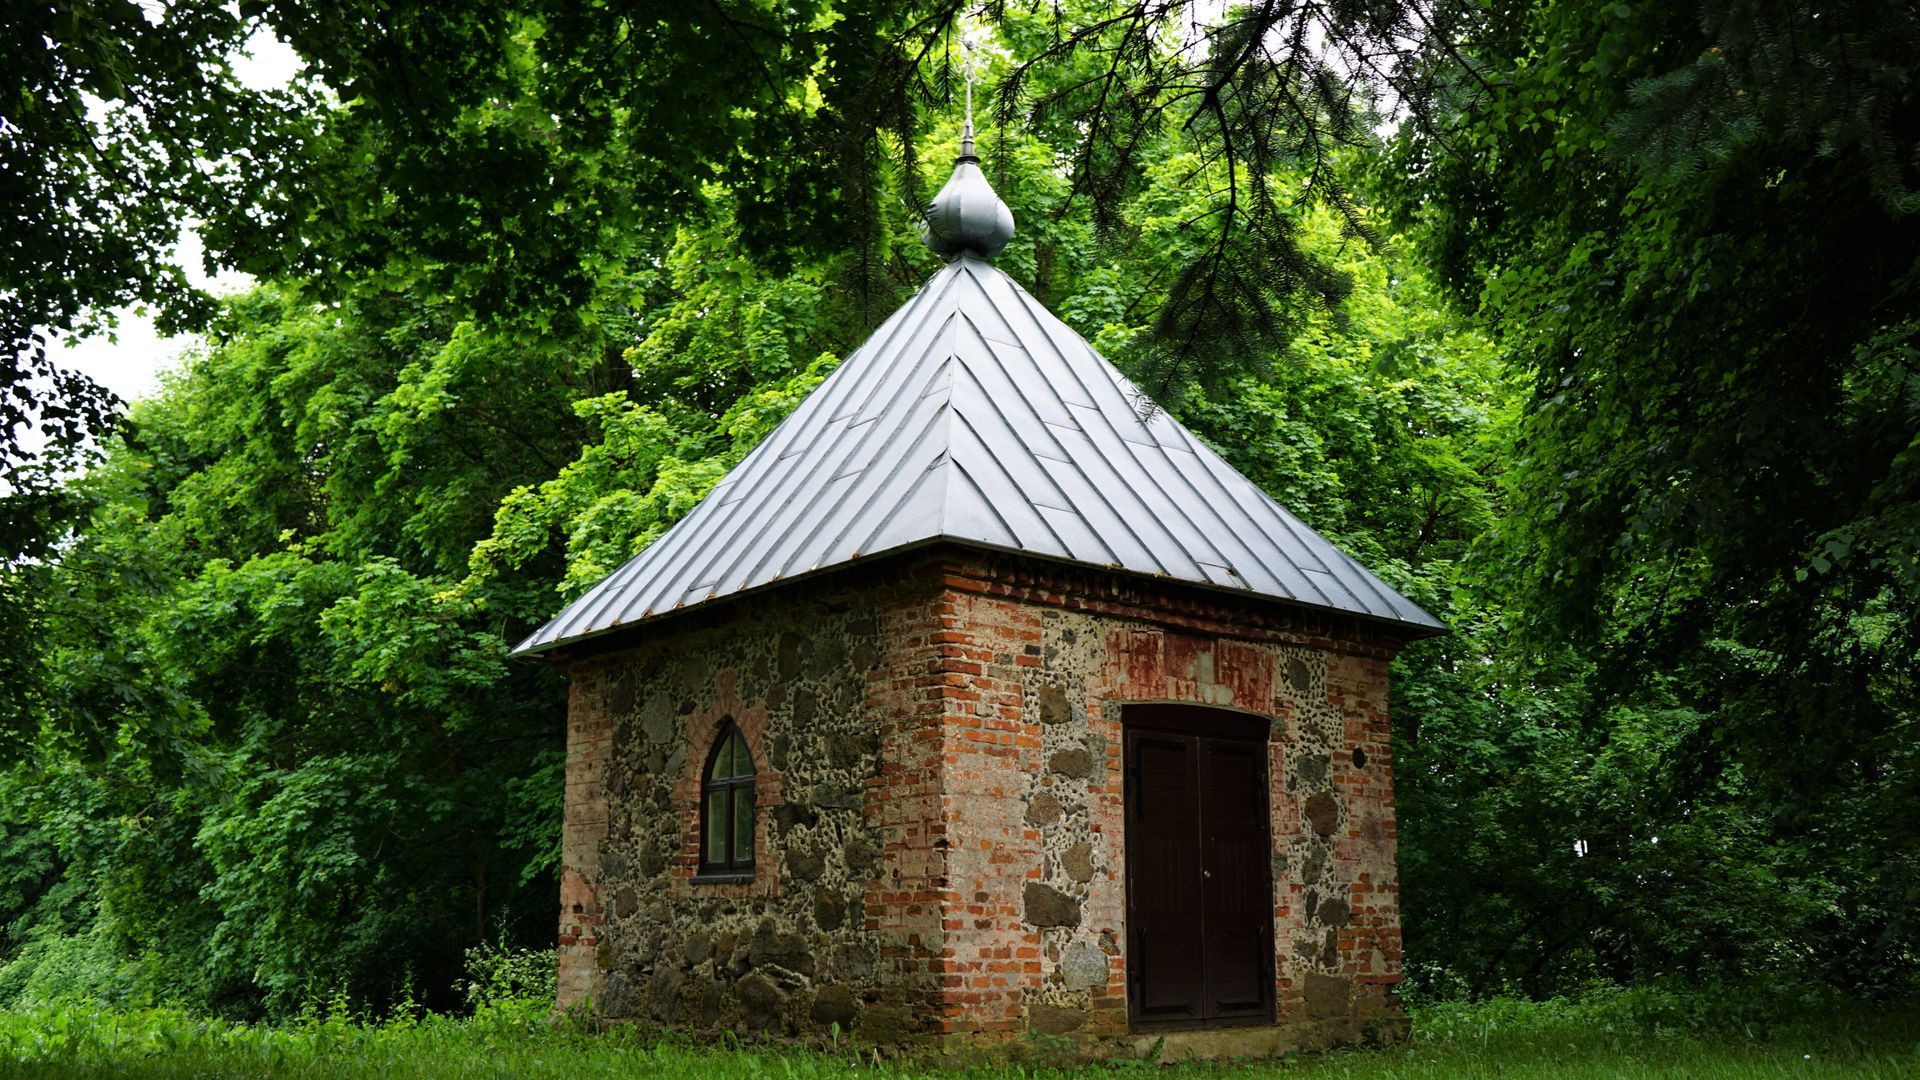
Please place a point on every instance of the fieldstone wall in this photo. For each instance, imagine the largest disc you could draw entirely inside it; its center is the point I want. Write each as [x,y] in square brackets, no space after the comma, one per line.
[941,855]
[839,927]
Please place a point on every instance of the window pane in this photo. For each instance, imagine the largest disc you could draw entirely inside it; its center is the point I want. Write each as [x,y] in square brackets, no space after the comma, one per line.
[743,825]
[718,770]
[737,755]
[714,847]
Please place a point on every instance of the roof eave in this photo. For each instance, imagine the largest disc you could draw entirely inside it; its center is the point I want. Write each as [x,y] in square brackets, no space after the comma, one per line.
[1409,630]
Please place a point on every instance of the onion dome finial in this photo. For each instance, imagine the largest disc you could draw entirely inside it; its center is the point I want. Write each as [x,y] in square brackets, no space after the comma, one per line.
[967,215]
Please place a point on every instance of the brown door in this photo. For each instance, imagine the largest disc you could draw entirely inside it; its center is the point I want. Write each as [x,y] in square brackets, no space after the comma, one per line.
[1199,885]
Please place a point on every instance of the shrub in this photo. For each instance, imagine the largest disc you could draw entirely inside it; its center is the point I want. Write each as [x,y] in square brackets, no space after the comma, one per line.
[499,975]
[72,967]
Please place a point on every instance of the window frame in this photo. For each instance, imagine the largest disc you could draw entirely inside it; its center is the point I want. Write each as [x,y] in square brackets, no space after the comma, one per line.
[737,787]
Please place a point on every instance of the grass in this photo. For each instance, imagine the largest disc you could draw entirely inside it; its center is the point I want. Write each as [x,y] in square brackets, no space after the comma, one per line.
[1607,1035]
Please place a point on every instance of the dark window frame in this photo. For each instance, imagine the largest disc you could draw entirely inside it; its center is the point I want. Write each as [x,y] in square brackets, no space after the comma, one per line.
[739,799]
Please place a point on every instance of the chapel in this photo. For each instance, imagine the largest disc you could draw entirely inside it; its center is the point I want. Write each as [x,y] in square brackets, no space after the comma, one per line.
[982,706]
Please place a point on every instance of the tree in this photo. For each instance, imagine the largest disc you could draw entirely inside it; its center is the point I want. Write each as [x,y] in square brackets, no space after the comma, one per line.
[1696,229]
[423,149]
[501,155]
[116,122]
[280,757]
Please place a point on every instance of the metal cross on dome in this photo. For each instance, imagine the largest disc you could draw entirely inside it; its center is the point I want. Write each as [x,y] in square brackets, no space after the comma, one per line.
[968,217]
[967,65]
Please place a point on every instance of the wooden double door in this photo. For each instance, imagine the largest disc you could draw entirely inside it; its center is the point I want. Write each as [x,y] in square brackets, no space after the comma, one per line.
[1199,868]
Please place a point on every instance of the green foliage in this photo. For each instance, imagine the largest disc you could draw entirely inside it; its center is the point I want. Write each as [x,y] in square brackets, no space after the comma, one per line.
[1692,229]
[284,752]
[498,976]
[84,967]
[105,116]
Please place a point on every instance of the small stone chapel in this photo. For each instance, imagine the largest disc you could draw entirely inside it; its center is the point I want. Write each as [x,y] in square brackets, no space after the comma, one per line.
[979,703]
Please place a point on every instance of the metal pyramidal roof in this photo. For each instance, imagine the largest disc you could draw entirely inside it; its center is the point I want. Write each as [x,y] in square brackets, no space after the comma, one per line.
[974,415]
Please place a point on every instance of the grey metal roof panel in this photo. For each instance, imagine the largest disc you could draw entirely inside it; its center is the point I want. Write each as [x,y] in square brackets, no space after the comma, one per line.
[973,415]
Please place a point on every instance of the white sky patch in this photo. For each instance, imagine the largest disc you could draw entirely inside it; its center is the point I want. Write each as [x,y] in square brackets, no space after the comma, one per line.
[267,63]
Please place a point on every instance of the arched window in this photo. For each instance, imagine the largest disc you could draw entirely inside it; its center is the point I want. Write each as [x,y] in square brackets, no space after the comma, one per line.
[726,806]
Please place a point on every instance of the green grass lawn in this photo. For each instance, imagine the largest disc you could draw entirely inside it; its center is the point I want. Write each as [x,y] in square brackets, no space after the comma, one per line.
[1595,1038]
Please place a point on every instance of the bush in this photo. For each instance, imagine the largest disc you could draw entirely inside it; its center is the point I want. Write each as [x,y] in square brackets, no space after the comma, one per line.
[76,967]
[499,975]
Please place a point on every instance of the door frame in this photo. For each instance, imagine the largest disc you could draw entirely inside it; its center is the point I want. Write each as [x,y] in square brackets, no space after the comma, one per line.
[1204,721]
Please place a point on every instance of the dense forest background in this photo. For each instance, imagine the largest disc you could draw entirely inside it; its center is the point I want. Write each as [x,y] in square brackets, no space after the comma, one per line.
[1592,326]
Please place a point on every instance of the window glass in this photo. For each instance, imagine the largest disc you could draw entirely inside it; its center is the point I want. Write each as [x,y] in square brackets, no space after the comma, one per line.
[716,842]
[731,760]
[742,852]
[726,805]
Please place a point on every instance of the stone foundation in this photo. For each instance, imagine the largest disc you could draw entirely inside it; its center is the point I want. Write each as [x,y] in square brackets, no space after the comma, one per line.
[940,835]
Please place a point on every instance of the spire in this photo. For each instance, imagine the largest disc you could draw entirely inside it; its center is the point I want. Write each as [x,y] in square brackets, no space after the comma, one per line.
[967,216]
[966,128]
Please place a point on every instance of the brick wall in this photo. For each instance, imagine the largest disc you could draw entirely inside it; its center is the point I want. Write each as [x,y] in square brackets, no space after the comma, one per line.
[582,917]
[1038,663]
[941,845]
